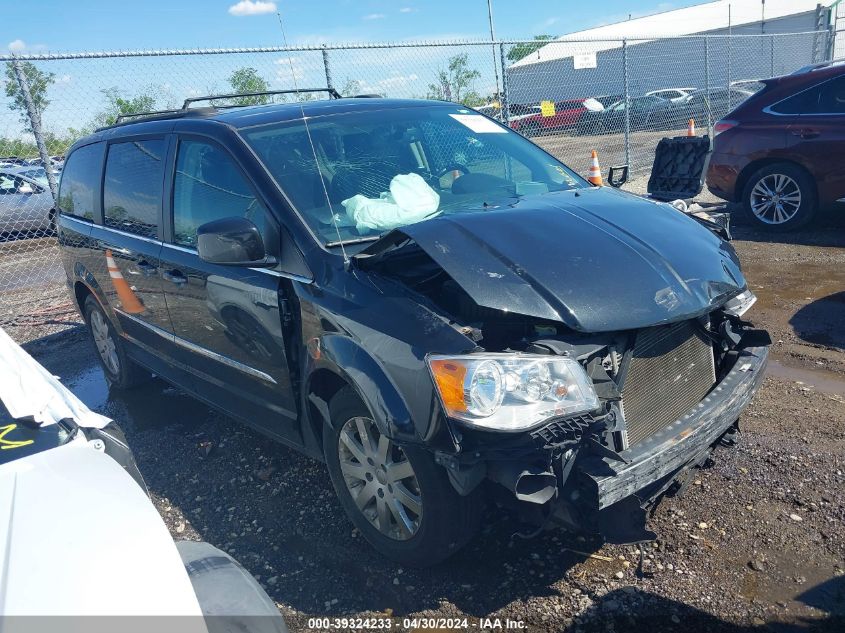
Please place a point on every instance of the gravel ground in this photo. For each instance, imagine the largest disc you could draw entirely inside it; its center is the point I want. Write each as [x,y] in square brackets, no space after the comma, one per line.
[756,543]
[34,296]
[758,538]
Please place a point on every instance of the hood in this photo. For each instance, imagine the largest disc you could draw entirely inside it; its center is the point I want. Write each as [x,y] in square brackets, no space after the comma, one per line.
[79,537]
[594,259]
[29,390]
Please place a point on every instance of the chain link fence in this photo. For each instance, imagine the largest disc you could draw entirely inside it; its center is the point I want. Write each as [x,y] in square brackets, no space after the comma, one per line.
[618,97]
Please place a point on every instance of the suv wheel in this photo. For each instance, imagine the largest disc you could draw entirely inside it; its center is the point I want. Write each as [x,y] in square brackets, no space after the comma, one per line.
[399,499]
[120,371]
[780,197]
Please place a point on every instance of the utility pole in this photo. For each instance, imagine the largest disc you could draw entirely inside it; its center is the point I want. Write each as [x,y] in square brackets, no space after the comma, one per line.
[493,39]
[35,123]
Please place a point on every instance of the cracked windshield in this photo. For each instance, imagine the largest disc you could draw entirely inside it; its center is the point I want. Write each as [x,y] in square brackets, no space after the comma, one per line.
[371,172]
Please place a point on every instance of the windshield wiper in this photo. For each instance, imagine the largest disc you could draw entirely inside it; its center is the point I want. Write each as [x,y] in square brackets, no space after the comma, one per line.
[357,240]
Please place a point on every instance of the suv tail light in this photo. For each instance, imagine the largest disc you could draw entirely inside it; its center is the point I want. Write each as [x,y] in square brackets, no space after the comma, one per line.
[723,125]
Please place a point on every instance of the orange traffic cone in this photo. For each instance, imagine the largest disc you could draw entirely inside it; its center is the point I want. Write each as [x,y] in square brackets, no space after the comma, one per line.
[129,302]
[691,128]
[595,171]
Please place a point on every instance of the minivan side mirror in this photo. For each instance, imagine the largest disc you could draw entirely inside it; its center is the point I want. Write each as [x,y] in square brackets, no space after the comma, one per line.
[233,241]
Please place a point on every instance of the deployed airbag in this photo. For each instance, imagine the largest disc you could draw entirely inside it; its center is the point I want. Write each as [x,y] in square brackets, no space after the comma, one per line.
[409,200]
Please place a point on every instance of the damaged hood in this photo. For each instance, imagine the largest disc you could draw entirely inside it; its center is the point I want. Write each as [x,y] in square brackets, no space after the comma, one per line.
[594,259]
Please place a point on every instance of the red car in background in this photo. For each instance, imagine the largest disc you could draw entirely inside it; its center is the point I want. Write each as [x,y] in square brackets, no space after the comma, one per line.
[781,153]
[529,120]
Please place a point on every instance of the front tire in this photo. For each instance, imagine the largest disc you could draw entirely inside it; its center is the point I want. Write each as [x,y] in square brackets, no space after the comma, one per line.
[397,497]
[119,369]
[780,197]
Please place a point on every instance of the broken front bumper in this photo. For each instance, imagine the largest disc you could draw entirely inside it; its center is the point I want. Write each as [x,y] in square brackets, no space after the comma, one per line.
[681,445]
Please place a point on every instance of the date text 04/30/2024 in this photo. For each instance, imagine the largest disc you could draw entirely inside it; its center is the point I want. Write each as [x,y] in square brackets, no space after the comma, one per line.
[413,624]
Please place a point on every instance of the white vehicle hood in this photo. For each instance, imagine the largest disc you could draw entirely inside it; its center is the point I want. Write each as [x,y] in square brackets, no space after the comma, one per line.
[27,389]
[78,536]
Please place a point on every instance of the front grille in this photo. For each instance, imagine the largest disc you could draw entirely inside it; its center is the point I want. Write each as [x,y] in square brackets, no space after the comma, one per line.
[671,369]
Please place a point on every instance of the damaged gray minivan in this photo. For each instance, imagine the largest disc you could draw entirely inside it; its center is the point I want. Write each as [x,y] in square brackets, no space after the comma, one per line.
[420,296]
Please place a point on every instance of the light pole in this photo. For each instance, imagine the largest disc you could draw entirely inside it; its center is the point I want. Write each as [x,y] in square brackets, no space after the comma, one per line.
[493,47]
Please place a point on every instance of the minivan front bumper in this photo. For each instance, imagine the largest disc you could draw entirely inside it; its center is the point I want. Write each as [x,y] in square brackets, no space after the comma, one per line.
[667,454]
[570,476]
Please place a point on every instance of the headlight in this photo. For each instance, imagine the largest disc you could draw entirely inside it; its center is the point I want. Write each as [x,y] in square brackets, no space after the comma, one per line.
[740,304]
[510,391]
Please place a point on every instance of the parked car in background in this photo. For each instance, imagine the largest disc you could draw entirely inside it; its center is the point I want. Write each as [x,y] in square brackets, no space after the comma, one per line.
[605,100]
[646,113]
[380,284]
[37,162]
[567,114]
[76,506]
[492,110]
[716,103]
[780,154]
[675,95]
[748,86]
[26,204]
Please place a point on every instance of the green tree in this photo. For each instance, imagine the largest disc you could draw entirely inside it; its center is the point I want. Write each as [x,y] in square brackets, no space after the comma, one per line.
[456,83]
[118,104]
[38,83]
[523,49]
[247,79]
[351,87]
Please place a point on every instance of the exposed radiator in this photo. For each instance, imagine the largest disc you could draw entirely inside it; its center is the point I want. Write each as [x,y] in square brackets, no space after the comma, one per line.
[670,371]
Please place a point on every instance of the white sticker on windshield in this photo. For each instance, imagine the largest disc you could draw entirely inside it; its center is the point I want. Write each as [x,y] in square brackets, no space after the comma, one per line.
[478,123]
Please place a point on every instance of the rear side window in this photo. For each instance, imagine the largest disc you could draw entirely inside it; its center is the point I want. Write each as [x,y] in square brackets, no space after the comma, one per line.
[209,186]
[133,186]
[79,180]
[826,98]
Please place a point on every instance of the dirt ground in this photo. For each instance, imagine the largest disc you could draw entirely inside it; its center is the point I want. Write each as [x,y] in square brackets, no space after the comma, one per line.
[756,543]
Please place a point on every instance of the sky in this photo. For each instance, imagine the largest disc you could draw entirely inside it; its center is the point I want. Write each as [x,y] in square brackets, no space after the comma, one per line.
[83,25]
[77,91]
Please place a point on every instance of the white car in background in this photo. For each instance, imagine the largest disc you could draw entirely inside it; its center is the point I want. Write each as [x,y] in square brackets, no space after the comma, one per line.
[80,535]
[26,204]
[675,95]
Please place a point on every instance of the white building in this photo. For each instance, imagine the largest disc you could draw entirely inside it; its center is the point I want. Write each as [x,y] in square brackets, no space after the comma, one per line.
[748,39]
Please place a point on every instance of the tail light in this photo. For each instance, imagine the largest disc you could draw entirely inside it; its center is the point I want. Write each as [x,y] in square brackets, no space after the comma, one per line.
[724,125]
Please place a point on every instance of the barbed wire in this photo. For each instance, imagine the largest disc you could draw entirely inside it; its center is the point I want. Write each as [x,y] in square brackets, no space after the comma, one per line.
[168,52]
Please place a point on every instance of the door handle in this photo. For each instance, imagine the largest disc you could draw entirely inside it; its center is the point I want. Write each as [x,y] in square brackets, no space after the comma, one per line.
[806,133]
[175,277]
[114,249]
[146,268]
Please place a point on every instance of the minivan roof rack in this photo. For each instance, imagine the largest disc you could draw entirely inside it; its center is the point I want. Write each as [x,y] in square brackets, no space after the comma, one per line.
[187,110]
[123,117]
[334,94]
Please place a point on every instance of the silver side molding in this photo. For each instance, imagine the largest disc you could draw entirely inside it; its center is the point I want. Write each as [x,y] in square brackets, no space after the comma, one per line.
[178,340]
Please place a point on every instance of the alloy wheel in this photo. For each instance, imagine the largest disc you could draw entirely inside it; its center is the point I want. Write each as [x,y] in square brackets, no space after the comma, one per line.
[104,342]
[775,199]
[380,479]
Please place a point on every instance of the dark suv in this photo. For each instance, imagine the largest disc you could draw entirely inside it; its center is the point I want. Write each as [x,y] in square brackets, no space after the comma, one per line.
[421,297]
[781,152]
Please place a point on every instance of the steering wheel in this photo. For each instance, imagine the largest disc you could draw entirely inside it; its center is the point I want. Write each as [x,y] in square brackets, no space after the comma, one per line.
[453,167]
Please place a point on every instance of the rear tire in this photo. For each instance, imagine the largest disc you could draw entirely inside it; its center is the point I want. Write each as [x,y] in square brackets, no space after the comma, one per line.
[120,371]
[445,522]
[780,197]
